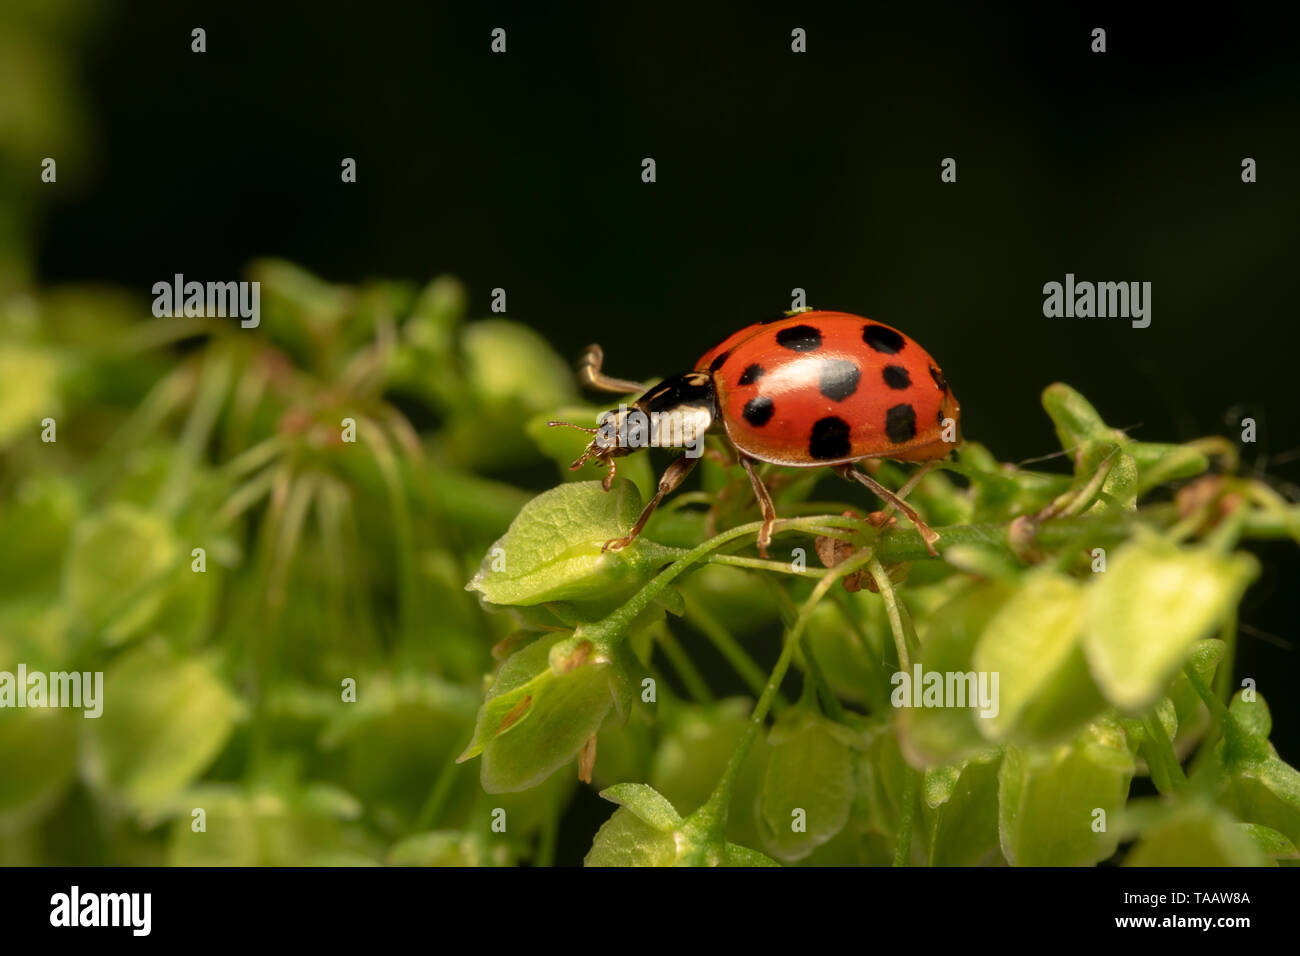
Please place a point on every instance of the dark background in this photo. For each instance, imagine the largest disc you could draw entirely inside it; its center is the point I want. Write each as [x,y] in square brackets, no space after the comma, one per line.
[775,170]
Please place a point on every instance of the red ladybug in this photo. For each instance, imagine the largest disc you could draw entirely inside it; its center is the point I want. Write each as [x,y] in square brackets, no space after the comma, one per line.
[810,389]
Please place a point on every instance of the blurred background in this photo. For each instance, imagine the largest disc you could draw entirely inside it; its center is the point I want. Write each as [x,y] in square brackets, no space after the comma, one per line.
[522,171]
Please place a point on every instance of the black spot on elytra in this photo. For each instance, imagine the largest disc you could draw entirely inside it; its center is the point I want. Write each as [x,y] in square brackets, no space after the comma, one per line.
[751,375]
[799,338]
[722,357]
[758,410]
[900,423]
[940,417]
[838,379]
[882,339]
[829,439]
[896,376]
[938,379]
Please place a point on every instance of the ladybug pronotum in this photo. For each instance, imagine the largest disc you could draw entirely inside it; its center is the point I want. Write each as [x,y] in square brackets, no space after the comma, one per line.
[808,390]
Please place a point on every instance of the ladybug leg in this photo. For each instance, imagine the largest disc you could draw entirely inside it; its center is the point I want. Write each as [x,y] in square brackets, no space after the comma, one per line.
[764,504]
[590,375]
[671,478]
[891,499]
[608,481]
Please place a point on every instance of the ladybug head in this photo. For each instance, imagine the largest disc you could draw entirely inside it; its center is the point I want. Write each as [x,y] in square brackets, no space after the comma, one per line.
[673,414]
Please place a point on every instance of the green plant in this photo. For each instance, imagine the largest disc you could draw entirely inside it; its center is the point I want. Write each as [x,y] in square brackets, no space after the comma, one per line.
[1096,615]
[288,645]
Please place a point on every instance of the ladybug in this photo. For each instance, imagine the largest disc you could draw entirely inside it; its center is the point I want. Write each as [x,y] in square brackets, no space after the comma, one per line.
[811,389]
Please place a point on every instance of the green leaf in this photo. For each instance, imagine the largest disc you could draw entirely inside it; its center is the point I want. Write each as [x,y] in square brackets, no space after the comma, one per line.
[852,658]
[165,718]
[389,739]
[1000,496]
[808,783]
[296,301]
[1048,798]
[1267,791]
[38,751]
[548,699]
[116,570]
[510,696]
[37,633]
[507,363]
[35,524]
[881,781]
[31,390]
[434,319]
[447,848]
[1029,643]
[1160,463]
[649,805]
[959,811]
[743,856]
[1270,842]
[1188,707]
[1075,418]
[646,830]
[1120,485]
[1196,835]
[551,551]
[627,840]
[1252,716]
[1261,787]
[1152,463]
[510,375]
[1145,613]
[934,736]
[281,825]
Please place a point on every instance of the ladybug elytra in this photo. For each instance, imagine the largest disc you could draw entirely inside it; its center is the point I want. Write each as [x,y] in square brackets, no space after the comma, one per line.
[808,390]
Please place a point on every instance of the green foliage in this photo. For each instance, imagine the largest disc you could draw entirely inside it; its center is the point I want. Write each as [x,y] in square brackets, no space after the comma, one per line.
[388,650]
[552,551]
[1154,603]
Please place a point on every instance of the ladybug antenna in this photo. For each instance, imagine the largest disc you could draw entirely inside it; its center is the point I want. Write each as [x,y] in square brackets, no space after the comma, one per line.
[581,428]
[590,450]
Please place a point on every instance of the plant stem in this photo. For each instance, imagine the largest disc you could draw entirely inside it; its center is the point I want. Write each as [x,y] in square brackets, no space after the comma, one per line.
[714,812]
[548,841]
[761,564]
[905,544]
[1223,676]
[399,514]
[610,628]
[830,703]
[684,666]
[213,382]
[1166,772]
[437,796]
[886,588]
[1236,741]
[903,849]
[736,655]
